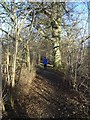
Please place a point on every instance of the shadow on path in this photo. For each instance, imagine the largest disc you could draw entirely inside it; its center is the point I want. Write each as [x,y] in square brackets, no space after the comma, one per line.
[48,97]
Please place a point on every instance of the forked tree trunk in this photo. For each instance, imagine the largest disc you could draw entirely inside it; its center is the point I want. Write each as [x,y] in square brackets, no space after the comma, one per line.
[17,32]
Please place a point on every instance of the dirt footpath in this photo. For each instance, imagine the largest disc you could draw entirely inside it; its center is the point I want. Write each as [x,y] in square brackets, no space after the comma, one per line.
[49,97]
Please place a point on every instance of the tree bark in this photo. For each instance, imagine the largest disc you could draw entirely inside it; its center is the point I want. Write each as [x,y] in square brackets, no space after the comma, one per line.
[28,56]
[8,76]
[14,62]
[89,38]
[56,29]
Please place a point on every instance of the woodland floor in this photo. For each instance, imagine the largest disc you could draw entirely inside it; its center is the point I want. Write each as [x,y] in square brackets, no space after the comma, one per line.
[48,97]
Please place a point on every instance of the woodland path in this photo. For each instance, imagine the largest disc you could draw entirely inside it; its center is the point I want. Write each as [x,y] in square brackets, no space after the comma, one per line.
[49,97]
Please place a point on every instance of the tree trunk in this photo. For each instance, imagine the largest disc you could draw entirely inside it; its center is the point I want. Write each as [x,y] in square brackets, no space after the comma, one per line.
[8,76]
[16,50]
[28,57]
[14,62]
[56,29]
[75,75]
[39,58]
[89,39]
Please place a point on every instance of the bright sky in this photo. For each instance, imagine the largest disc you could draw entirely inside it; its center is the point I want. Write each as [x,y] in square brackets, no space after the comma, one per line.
[48,0]
[81,6]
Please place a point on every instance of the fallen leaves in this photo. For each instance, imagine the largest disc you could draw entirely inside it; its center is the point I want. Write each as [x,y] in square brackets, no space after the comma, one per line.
[45,99]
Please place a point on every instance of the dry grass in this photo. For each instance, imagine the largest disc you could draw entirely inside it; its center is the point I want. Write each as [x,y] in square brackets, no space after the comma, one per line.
[26,79]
